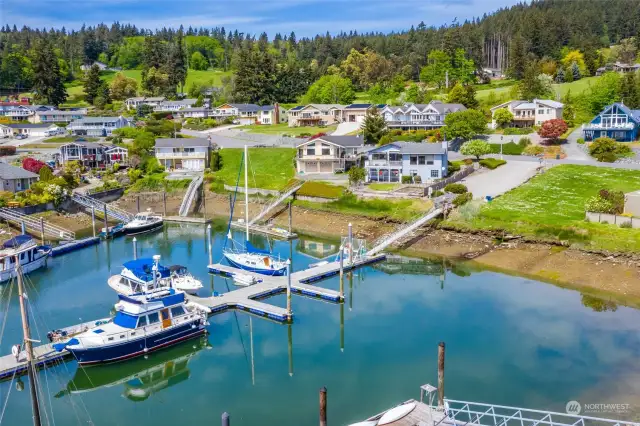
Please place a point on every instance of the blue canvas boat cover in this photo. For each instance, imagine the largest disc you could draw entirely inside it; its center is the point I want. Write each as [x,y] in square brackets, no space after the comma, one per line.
[251,249]
[17,241]
[142,269]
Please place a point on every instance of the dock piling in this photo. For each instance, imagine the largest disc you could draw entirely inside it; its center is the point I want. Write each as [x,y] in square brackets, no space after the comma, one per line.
[290,217]
[289,288]
[106,222]
[93,220]
[138,204]
[42,229]
[210,247]
[350,244]
[23,228]
[135,248]
[323,406]
[290,348]
[342,272]
[441,375]
[164,201]
[204,203]
[226,419]
[342,327]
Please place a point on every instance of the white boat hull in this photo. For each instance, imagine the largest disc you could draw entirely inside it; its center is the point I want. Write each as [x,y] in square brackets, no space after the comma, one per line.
[26,268]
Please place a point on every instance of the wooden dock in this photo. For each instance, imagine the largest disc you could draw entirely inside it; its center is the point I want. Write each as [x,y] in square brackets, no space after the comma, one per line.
[184,219]
[44,354]
[272,231]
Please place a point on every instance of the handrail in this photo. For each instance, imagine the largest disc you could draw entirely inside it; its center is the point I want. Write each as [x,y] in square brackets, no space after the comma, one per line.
[35,225]
[99,206]
[284,194]
[190,195]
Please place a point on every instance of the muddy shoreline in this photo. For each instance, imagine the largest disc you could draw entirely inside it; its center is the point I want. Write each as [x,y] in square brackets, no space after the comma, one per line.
[613,277]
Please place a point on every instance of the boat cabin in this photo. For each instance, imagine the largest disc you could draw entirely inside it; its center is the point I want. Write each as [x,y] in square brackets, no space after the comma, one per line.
[138,275]
[22,246]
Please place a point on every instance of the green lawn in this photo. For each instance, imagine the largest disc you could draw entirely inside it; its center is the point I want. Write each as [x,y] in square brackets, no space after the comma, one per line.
[576,87]
[551,207]
[383,186]
[269,168]
[284,129]
[320,189]
[64,139]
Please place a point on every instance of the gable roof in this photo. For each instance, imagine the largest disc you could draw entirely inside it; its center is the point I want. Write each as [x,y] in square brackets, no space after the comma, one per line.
[85,144]
[7,171]
[633,114]
[59,112]
[549,103]
[181,142]
[90,120]
[31,126]
[414,147]
[358,106]
[343,141]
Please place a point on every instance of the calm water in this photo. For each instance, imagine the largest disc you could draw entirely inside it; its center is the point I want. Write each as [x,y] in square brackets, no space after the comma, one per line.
[509,341]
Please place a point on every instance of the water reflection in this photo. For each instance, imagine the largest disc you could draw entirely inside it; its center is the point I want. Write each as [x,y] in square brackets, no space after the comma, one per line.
[317,249]
[141,378]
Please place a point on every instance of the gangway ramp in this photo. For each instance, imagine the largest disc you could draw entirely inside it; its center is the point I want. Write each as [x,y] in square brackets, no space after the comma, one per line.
[36,225]
[190,196]
[387,240]
[284,194]
[99,206]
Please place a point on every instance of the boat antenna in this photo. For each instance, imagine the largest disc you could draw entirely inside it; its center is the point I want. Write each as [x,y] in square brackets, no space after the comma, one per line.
[154,269]
[28,343]
[246,190]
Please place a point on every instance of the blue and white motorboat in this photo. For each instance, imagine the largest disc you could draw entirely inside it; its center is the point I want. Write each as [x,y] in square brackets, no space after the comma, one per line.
[30,255]
[137,277]
[250,258]
[144,322]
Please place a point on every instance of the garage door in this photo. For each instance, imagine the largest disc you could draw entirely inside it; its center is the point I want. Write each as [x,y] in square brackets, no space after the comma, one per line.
[311,167]
[326,167]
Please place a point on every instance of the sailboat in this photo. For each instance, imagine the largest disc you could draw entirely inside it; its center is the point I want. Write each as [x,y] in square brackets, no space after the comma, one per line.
[250,258]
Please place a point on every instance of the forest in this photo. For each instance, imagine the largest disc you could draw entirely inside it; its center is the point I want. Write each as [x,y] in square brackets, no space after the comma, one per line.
[325,68]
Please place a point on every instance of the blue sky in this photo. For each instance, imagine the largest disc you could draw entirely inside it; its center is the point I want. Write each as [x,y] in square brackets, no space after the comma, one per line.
[305,17]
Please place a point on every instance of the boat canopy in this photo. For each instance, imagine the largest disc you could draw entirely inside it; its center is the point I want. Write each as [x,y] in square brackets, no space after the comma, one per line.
[17,241]
[142,269]
[177,268]
[251,249]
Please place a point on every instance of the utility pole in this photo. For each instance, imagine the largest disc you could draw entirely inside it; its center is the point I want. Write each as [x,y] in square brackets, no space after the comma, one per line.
[28,346]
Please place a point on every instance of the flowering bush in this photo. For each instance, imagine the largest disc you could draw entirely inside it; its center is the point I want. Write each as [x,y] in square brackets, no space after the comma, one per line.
[32,165]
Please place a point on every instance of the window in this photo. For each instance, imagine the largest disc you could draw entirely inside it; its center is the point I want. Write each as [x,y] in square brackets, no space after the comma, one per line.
[434,173]
[177,311]
[548,110]
[395,156]
[413,160]
[378,156]
[540,111]
[153,318]
[300,153]
[311,150]
[165,314]
[142,321]
[430,159]
[421,159]
[326,149]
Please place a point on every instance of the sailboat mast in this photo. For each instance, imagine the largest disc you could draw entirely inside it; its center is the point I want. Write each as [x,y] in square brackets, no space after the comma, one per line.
[28,347]
[246,190]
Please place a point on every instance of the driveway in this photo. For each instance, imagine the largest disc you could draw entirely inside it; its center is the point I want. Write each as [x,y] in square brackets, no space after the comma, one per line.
[572,149]
[496,182]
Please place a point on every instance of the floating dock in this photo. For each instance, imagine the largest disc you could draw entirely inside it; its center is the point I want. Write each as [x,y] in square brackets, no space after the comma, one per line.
[74,245]
[44,354]
[272,231]
[185,219]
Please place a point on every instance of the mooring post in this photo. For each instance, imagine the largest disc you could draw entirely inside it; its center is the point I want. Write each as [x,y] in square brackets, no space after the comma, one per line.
[290,218]
[441,375]
[210,246]
[106,222]
[350,244]
[341,272]
[164,202]
[226,419]
[289,288]
[23,228]
[323,406]
[204,203]
[342,327]
[93,220]
[42,229]
[135,248]
[138,204]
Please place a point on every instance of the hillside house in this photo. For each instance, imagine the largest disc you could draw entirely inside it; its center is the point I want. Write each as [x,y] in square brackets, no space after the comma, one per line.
[183,153]
[419,116]
[56,116]
[388,163]
[328,154]
[35,130]
[174,106]
[91,155]
[97,126]
[315,115]
[529,114]
[616,121]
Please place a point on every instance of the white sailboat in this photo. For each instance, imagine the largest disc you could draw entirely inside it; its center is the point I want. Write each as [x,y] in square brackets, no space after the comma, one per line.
[250,258]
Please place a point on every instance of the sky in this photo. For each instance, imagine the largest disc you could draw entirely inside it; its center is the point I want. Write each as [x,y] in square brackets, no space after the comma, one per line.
[305,17]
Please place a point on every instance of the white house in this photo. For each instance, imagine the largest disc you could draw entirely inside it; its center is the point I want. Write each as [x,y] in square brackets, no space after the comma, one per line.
[37,130]
[5,131]
[183,153]
[195,112]
[528,114]
[388,163]
[328,154]
[15,111]
[355,113]
[315,115]
[97,126]
[173,106]
[272,114]
[56,116]
[90,154]
[418,116]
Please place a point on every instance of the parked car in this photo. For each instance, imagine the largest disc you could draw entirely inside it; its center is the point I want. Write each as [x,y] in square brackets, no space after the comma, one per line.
[21,136]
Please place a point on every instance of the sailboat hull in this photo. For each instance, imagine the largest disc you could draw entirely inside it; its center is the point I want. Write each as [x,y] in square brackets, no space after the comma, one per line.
[258,270]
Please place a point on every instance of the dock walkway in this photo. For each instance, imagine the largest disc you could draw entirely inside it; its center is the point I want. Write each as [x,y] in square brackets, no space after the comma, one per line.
[44,354]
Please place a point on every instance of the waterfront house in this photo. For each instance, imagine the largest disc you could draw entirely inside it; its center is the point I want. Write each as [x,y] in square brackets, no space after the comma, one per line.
[97,126]
[183,153]
[5,131]
[173,106]
[154,101]
[355,113]
[247,114]
[315,115]
[36,130]
[418,116]
[271,114]
[328,154]
[90,154]
[529,114]
[15,111]
[15,179]
[616,121]
[194,112]
[56,116]
[388,163]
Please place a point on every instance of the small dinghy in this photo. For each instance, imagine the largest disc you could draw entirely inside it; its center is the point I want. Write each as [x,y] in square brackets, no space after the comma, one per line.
[245,280]
[396,413]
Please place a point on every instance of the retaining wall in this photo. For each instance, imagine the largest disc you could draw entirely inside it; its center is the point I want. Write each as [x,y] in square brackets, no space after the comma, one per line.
[615,219]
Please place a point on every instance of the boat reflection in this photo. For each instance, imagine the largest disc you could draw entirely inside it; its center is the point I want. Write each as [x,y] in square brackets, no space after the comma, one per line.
[140,377]
[317,249]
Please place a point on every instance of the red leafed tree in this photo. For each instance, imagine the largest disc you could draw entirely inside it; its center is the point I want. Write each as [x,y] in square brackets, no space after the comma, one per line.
[317,135]
[32,165]
[552,129]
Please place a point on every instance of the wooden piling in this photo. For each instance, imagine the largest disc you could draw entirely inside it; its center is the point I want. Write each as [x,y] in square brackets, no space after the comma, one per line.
[323,406]
[209,245]
[106,222]
[23,229]
[204,203]
[226,419]
[441,374]
[164,201]
[350,244]
[135,248]
[342,272]
[138,204]
[290,218]
[289,288]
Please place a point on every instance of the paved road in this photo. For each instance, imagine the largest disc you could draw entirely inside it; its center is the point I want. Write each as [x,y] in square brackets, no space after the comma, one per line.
[572,149]
[496,182]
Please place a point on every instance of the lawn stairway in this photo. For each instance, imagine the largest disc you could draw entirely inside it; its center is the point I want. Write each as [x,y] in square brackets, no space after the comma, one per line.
[284,194]
[89,202]
[190,196]
[35,225]
[389,239]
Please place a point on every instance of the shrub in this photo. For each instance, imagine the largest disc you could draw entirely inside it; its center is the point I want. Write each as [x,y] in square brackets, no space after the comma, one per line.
[533,150]
[524,142]
[625,224]
[452,168]
[580,141]
[507,148]
[456,188]
[467,161]
[32,165]
[7,150]
[602,145]
[606,202]
[492,163]
[437,193]
[597,204]
[161,115]
[606,157]
[553,129]
[356,175]
[406,179]
[623,149]
[476,148]
[518,131]
[462,199]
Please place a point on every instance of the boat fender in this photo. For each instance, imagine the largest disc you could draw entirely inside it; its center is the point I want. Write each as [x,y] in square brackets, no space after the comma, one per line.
[145,350]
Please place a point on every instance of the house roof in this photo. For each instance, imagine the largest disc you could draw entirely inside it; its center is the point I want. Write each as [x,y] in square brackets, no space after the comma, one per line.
[89,120]
[343,141]
[31,126]
[441,107]
[85,144]
[414,147]
[196,109]
[324,106]
[549,103]
[358,106]
[297,108]
[7,171]
[59,112]
[181,142]
[155,99]
[136,99]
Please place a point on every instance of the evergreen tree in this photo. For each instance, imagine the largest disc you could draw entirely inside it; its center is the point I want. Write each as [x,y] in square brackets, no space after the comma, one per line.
[560,75]
[629,90]
[176,67]
[48,84]
[92,83]
[517,57]
[575,71]
[373,127]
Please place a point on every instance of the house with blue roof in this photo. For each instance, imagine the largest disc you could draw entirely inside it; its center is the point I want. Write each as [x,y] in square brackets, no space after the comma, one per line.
[616,121]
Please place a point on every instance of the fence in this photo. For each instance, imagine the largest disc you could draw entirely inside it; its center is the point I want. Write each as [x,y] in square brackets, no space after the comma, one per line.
[451,179]
[622,221]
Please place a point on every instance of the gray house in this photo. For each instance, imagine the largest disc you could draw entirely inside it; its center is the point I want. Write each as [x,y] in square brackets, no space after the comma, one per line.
[328,154]
[388,163]
[16,179]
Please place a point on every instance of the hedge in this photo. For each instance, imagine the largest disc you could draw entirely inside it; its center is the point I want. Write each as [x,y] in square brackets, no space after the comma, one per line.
[492,163]
[510,148]
[462,199]
[456,188]
[518,130]
[7,150]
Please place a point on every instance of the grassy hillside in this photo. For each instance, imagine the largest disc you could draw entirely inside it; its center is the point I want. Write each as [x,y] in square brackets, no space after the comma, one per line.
[576,87]
[269,168]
